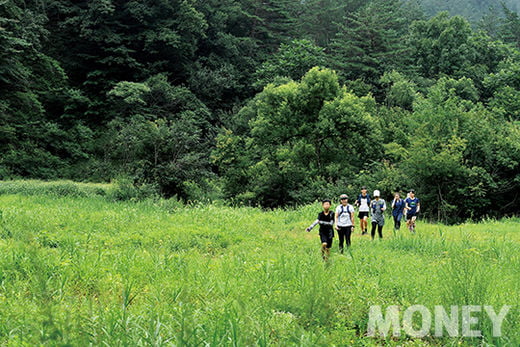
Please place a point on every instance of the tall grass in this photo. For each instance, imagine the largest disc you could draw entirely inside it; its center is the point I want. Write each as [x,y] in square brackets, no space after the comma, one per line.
[84,270]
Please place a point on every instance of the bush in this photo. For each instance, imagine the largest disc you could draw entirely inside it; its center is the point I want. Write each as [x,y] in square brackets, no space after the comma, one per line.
[124,189]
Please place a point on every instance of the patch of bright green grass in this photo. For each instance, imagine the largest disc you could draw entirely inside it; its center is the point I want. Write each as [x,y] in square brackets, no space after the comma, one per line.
[83,270]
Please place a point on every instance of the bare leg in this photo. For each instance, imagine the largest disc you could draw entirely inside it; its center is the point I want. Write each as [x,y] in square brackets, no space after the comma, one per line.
[365,220]
[324,251]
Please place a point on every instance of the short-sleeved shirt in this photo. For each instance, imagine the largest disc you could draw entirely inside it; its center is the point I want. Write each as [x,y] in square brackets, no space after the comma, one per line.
[412,204]
[344,212]
[364,202]
[378,207]
[326,229]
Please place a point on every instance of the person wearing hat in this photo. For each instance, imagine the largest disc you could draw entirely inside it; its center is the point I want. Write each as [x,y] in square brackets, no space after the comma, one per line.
[363,202]
[326,221]
[344,221]
[378,207]
[412,207]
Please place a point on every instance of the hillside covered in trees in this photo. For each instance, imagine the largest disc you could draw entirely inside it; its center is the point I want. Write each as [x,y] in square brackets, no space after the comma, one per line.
[266,102]
[473,10]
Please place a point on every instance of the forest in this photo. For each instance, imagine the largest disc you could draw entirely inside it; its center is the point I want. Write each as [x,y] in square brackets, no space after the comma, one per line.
[268,103]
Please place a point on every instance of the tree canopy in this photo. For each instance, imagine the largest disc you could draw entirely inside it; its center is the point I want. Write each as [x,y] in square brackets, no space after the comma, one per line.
[267,103]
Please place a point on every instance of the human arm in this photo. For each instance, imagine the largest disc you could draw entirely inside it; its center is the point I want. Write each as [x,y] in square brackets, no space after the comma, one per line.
[322,222]
[316,222]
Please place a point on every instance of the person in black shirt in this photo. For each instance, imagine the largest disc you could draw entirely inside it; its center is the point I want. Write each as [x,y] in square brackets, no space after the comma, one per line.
[326,222]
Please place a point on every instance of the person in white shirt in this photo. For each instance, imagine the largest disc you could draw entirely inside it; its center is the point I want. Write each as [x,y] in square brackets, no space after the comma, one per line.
[363,202]
[344,221]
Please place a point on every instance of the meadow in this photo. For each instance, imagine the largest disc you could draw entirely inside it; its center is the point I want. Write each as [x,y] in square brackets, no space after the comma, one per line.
[79,268]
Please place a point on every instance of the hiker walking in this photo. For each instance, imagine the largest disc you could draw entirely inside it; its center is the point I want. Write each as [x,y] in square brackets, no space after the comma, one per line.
[412,207]
[344,221]
[326,221]
[363,202]
[398,206]
[377,207]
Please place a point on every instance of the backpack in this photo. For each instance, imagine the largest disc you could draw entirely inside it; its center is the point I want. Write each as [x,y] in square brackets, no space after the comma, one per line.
[360,196]
[375,204]
[343,211]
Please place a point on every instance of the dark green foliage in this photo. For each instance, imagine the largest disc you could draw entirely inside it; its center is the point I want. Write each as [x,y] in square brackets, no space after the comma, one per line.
[185,97]
[473,10]
[302,137]
[35,141]
[292,60]
[461,156]
[370,41]
[103,42]
[320,19]
[511,27]
[441,46]
[162,135]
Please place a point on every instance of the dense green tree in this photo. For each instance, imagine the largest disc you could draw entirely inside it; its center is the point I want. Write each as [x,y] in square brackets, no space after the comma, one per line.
[292,60]
[400,91]
[34,142]
[240,35]
[303,135]
[473,10]
[510,30]
[441,45]
[370,41]
[103,42]
[506,102]
[504,86]
[460,156]
[162,135]
[447,46]
[320,20]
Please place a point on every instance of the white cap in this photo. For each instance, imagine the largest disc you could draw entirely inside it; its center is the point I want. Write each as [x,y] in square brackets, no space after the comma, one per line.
[377,193]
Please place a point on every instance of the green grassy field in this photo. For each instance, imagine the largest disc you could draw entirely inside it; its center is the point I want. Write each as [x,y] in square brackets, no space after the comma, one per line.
[81,269]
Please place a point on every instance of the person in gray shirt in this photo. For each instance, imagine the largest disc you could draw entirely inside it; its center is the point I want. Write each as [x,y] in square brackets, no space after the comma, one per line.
[377,209]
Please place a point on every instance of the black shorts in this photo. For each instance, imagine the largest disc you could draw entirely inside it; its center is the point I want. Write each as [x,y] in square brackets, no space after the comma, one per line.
[327,238]
[409,216]
[362,215]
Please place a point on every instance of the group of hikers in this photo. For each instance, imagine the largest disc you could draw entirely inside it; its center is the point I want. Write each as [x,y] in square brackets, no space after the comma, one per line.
[343,217]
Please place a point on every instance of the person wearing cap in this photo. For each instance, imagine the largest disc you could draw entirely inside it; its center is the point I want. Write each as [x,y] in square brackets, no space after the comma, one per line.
[378,207]
[344,221]
[412,207]
[326,221]
[363,202]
